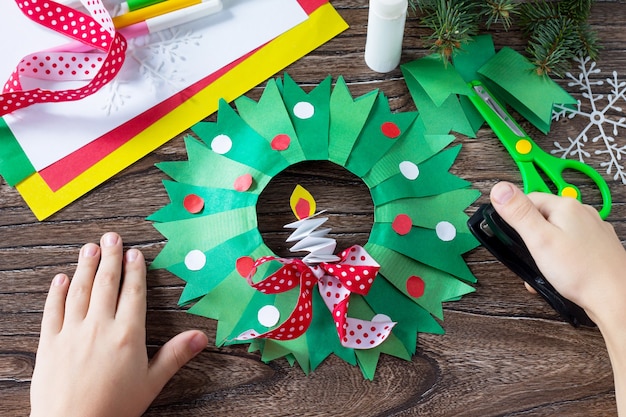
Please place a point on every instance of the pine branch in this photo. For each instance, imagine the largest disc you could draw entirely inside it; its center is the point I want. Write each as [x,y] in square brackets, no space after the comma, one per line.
[452,23]
[557,31]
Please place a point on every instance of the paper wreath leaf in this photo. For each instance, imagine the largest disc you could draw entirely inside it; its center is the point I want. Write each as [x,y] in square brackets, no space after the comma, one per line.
[380,133]
[310,115]
[212,230]
[269,117]
[347,118]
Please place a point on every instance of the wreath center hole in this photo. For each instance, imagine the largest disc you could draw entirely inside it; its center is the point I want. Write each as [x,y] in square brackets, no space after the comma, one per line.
[344,197]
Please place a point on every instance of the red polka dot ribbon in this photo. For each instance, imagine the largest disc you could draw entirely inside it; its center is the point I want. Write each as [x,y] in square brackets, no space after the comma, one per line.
[354,272]
[95,30]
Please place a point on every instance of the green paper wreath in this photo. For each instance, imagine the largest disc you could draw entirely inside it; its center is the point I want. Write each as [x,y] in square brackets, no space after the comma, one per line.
[418,236]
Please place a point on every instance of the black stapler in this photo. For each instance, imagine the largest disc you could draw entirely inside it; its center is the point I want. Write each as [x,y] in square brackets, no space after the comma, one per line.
[509,248]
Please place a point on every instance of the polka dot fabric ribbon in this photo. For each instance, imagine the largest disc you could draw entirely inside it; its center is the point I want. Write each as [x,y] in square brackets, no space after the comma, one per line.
[95,30]
[354,272]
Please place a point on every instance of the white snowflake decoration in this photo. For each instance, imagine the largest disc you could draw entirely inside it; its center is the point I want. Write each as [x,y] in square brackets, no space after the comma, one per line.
[605,119]
[156,58]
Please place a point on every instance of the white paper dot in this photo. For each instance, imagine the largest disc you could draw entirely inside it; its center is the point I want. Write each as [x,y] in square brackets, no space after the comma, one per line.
[304,110]
[221,144]
[381,318]
[409,170]
[445,231]
[195,260]
[268,315]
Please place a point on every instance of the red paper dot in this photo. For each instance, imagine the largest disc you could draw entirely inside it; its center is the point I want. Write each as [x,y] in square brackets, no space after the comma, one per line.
[193,203]
[244,265]
[243,183]
[281,142]
[415,286]
[402,224]
[390,129]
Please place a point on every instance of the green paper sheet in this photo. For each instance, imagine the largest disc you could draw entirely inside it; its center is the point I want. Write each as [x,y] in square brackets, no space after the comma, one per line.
[511,78]
[14,164]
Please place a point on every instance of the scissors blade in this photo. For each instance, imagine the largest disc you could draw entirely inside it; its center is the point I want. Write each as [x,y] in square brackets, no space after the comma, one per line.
[502,114]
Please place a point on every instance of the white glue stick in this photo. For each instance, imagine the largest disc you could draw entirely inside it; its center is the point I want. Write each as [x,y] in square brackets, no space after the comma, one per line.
[385,32]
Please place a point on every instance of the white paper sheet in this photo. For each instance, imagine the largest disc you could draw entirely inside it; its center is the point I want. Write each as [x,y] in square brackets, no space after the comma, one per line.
[157,67]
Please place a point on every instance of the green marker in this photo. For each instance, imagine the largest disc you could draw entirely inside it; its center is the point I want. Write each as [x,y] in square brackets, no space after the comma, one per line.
[130,5]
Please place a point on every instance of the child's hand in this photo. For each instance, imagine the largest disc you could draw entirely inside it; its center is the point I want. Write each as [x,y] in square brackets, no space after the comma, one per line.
[92,359]
[581,257]
[577,252]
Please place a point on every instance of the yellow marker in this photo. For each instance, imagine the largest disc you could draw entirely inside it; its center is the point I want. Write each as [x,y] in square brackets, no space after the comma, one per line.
[523,146]
[569,192]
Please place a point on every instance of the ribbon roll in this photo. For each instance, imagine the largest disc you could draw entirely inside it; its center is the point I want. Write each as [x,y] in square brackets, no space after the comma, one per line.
[95,30]
[354,272]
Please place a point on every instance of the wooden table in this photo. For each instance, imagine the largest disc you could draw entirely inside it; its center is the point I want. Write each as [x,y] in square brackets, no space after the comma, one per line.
[505,352]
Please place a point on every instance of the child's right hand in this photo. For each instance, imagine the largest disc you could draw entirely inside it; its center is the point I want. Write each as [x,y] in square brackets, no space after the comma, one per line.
[577,252]
[582,258]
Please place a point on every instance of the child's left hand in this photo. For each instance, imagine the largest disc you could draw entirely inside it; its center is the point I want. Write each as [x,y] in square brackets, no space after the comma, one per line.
[92,358]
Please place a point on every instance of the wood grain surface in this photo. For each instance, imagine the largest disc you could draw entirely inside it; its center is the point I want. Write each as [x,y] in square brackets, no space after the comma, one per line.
[505,352]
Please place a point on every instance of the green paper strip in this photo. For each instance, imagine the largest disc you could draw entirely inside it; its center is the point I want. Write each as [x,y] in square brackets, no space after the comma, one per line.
[440,286]
[427,212]
[227,302]
[322,335]
[368,358]
[248,319]
[200,156]
[247,146]
[202,233]
[410,318]
[416,148]
[512,78]
[14,164]
[372,143]
[444,255]
[221,262]
[433,179]
[347,118]
[270,118]
[215,200]
[312,131]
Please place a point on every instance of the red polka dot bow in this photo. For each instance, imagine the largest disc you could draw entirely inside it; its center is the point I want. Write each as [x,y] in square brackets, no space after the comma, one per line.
[95,30]
[354,272]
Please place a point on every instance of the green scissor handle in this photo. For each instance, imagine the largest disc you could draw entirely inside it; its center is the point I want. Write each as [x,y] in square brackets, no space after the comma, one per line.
[529,157]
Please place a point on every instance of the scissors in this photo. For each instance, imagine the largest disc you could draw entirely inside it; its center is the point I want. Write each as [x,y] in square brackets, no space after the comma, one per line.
[529,157]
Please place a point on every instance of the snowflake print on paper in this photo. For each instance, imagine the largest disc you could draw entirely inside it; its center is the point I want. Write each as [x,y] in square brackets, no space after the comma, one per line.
[157,59]
[605,120]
